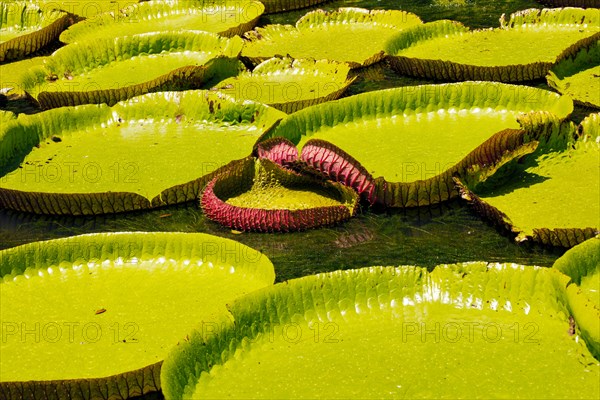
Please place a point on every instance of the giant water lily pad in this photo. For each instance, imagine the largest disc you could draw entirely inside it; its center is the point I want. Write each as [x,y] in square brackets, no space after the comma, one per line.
[25,28]
[401,147]
[572,3]
[523,49]
[352,35]
[290,85]
[582,265]
[225,17]
[553,197]
[579,76]
[275,6]
[86,8]
[368,333]
[107,307]
[258,195]
[113,69]
[11,74]
[150,151]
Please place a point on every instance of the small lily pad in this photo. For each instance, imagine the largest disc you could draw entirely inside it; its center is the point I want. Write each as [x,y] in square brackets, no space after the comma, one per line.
[290,85]
[259,195]
[113,69]
[353,35]
[366,333]
[523,49]
[25,28]
[225,17]
[108,307]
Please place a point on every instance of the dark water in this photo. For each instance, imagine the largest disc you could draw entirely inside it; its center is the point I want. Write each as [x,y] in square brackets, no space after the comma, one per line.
[426,237]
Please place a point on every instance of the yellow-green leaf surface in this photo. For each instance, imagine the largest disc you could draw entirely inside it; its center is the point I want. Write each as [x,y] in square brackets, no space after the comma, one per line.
[290,85]
[275,6]
[132,64]
[389,333]
[579,76]
[11,74]
[555,193]
[152,150]
[522,49]
[225,17]
[352,35]
[273,189]
[582,265]
[87,8]
[98,305]
[413,134]
[25,27]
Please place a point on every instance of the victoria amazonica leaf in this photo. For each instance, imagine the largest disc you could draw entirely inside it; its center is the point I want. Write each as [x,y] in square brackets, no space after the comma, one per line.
[26,27]
[523,49]
[109,70]
[150,151]
[553,197]
[405,144]
[98,313]
[365,333]
[579,76]
[225,17]
[353,35]
[290,85]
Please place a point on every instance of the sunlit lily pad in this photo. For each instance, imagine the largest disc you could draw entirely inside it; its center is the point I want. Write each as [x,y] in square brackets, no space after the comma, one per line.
[150,151]
[523,49]
[572,3]
[353,35]
[579,77]
[553,196]
[108,307]
[86,8]
[374,333]
[11,74]
[275,6]
[582,265]
[401,147]
[258,195]
[25,28]
[225,17]
[290,85]
[113,69]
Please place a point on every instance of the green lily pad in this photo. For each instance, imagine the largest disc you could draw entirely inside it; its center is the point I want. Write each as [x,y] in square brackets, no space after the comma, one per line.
[572,3]
[275,6]
[579,77]
[523,49]
[113,69]
[87,8]
[150,151]
[225,17]
[98,313]
[582,265]
[368,333]
[410,141]
[25,28]
[259,195]
[290,85]
[353,35]
[553,197]
[11,74]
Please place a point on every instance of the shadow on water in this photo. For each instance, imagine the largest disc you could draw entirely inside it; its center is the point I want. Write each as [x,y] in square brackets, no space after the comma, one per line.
[427,237]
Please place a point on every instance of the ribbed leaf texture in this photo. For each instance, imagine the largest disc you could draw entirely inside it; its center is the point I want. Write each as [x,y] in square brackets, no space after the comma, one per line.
[240,177]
